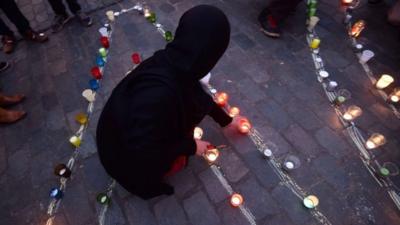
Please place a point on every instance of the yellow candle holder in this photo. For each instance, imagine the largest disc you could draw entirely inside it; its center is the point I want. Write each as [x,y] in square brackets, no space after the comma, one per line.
[315,43]
[81,118]
[75,141]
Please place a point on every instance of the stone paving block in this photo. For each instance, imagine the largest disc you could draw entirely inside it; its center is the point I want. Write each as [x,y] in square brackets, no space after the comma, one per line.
[3,156]
[243,41]
[257,199]
[18,161]
[273,139]
[332,142]
[49,101]
[302,141]
[88,146]
[280,219]
[168,211]
[183,182]
[292,205]
[261,169]
[277,90]
[95,175]
[230,215]
[232,166]
[213,187]
[76,205]
[327,115]
[276,116]
[200,211]
[137,211]
[328,167]
[166,8]
[306,176]
[303,115]
[385,115]
[251,90]
[114,215]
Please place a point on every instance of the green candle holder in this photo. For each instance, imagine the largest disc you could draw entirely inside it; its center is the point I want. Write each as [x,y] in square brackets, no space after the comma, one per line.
[168,36]
[152,18]
[103,199]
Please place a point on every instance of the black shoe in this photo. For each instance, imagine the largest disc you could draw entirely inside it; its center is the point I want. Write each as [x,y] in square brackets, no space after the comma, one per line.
[84,19]
[269,26]
[59,22]
[4,66]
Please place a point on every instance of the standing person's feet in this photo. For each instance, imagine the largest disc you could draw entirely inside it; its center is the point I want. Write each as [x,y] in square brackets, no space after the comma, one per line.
[8,43]
[269,25]
[3,67]
[10,116]
[34,36]
[84,19]
[58,22]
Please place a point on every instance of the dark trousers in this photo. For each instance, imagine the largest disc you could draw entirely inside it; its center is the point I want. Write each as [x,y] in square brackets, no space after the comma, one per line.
[280,9]
[59,7]
[13,13]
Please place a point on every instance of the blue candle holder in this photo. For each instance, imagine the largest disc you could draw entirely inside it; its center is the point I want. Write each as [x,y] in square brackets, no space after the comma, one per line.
[94,84]
[100,61]
[56,193]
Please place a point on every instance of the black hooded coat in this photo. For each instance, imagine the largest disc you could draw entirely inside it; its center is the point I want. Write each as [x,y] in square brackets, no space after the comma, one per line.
[149,119]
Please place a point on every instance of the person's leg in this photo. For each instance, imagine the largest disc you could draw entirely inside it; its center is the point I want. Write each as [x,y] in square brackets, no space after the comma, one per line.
[77,10]
[58,7]
[280,9]
[4,30]
[273,14]
[74,6]
[7,37]
[13,13]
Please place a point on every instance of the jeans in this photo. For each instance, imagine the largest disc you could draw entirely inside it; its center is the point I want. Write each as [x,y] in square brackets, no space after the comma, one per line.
[13,13]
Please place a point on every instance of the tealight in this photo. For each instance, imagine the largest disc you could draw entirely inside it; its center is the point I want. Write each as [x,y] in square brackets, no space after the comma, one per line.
[384,81]
[110,15]
[62,170]
[75,141]
[311,201]
[236,200]
[221,98]
[244,126]
[267,153]
[234,111]
[375,141]
[89,95]
[395,95]
[352,113]
[198,133]
[211,155]
[103,199]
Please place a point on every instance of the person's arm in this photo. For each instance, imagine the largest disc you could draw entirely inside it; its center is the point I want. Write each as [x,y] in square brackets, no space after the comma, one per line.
[219,115]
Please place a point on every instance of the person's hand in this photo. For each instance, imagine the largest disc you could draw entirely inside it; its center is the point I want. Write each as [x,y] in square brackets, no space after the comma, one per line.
[235,121]
[201,147]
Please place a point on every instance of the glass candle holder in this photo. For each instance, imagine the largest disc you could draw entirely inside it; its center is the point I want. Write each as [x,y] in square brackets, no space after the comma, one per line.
[311,201]
[103,199]
[352,113]
[197,133]
[62,170]
[384,81]
[221,98]
[211,154]
[244,126]
[56,193]
[395,95]
[375,140]
[75,141]
[234,111]
[357,28]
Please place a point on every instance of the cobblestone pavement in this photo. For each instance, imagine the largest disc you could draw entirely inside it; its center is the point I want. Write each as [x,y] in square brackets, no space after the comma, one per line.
[272,81]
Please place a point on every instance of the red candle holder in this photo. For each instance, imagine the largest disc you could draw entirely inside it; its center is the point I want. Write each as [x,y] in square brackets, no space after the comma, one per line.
[96,73]
[221,98]
[136,58]
[244,126]
[236,200]
[105,42]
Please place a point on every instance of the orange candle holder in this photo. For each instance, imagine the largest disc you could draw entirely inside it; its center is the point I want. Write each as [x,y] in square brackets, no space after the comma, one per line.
[244,126]
[221,98]
[234,111]
[236,200]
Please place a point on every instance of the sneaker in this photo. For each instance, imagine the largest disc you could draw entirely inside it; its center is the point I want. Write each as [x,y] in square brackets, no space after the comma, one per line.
[84,19]
[8,43]
[269,26]
[58,22]
[4,66]
[34,36]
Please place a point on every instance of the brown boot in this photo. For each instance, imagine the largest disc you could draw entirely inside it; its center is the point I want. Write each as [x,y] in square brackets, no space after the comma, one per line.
[11,100]
[8,43]
[9,116]
[34,36]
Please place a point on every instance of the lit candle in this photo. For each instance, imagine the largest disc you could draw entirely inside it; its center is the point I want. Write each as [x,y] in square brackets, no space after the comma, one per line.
[375,141]
[81,118]
[198,133]
[105,42]
[384,172]
[359,26]
[315,43]
[395,95]
[288,165]
[347,2]
[136,58]
[384,81]
[168,36]
[311,201]
[103,52]
[211,155]
[152,17]
[352,113]
[62,170]
[234,111]
[236,200]
[110,15]
[89,95]
[103,199]
[221,98]
[75,141]
[95,71]
[146,12]
[56,193]
[323,74]
[244,125]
